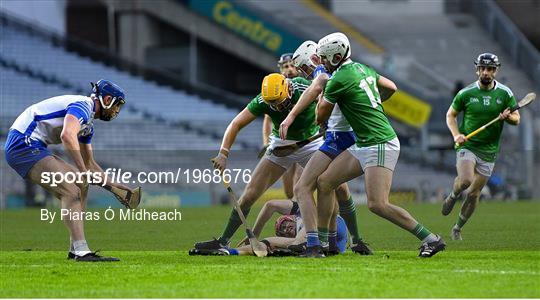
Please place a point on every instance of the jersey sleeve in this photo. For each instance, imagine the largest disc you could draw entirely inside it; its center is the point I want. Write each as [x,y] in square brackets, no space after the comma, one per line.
[81,110]
[373,73]
[332,90]
[457,103]
[300,84]
[257,106]
[512,102]
[86,138]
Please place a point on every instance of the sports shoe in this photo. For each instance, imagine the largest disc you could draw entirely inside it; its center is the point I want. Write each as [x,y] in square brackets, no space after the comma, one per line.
[280,252]
[210,245]
[298,249]
[211,252]
[91,257]
[430,249]
[313,252]
[330,250]
[361,248]
[456,234]
[448,204]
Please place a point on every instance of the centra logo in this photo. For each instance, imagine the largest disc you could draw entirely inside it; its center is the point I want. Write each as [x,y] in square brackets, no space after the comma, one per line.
[225,14]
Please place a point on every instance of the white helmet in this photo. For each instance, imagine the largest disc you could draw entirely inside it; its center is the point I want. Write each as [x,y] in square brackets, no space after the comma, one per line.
[302,58]
[332,44]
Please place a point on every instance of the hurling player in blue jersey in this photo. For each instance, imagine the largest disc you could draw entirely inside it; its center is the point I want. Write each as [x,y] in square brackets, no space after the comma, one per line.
[290,238]
[66,120]
[339,137]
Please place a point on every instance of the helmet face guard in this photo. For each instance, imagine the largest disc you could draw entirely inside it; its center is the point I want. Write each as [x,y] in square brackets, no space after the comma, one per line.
[303,58]
[305,70]
[106,88]
[284,105]
[286,226]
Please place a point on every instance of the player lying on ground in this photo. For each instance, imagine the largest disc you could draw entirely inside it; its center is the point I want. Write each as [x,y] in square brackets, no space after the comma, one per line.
[278,95]
[355,88]
[339,137]
[291,176]
[290,236]
[68,120]
[480,102]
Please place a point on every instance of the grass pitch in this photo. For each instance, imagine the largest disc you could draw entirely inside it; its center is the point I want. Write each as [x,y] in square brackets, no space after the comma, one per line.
[499,257]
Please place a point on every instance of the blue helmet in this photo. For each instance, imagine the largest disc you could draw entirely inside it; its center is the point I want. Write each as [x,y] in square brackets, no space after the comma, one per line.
[105,87]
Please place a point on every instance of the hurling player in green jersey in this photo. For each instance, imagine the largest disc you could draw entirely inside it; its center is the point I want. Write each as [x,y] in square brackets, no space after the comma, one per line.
[355,88]
[317,215]
[291,176]
[480,102]
[278,95]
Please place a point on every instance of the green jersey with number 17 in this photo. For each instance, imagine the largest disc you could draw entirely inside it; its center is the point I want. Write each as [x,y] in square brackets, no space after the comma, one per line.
[480,106]
[353,87]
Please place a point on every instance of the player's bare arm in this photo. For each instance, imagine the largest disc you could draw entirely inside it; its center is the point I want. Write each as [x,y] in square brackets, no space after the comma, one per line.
[386,88]
[307,97]
[91,164]
[269,208]
[240,121]
[280,206]
[70,141]
[324,110]
[451,122]
[266,130]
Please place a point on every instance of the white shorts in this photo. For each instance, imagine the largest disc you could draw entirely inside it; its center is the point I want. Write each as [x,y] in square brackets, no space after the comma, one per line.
[379,155]
[300,156]
[481,166]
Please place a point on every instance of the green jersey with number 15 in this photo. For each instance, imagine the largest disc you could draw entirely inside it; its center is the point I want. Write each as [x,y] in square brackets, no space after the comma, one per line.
[480,106]
[354,87]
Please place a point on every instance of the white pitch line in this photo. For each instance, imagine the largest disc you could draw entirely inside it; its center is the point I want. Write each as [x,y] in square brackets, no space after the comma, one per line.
[501,272]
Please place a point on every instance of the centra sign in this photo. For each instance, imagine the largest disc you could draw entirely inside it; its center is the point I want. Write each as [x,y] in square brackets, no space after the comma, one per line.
[247,25]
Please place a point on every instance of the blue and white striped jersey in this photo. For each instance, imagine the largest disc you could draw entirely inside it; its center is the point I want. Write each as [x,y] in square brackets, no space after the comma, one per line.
[337,121]
[45,120]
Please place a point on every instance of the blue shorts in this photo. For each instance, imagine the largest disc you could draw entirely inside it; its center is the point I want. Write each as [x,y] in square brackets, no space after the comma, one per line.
[336,142]
[342,234]
[22,153]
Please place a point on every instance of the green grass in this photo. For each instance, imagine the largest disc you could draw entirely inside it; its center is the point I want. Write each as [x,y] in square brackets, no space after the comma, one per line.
[498,258]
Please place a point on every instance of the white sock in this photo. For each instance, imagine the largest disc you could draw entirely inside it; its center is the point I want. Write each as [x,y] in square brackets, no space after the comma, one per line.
[430,238]
[80,248]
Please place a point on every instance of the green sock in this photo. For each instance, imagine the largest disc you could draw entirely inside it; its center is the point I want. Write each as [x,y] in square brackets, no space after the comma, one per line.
[232,225]
[347,211]
[420,231]
[323,236]
[461,221]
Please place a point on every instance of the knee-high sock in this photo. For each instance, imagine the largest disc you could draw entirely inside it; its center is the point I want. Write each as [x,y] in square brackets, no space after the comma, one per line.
[347,211]
[232,225]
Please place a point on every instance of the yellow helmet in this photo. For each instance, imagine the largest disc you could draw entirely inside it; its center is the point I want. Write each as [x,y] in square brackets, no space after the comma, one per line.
[274,89]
